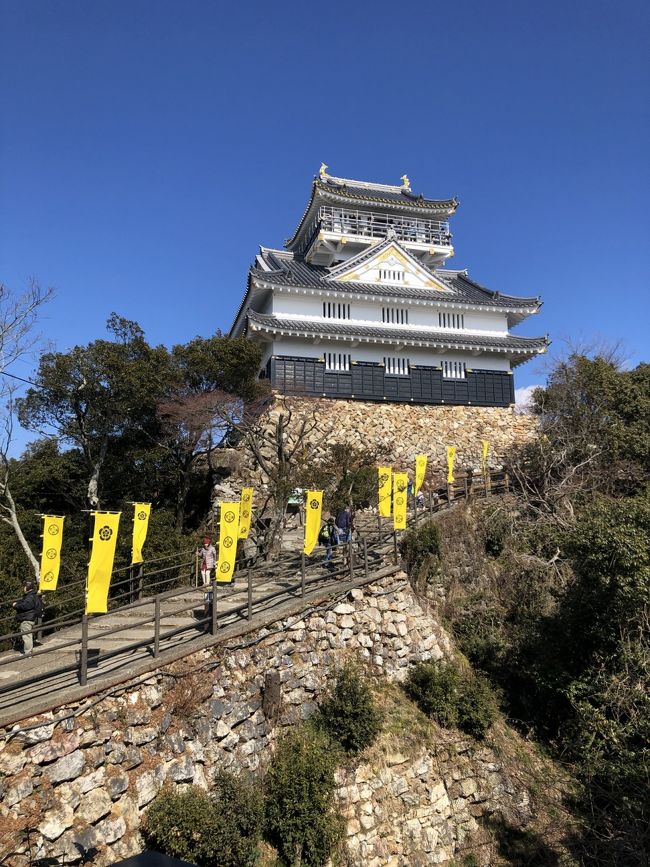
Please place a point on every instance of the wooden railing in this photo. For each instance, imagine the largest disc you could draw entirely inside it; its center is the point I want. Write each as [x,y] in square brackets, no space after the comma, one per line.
[376,543]
[371,224]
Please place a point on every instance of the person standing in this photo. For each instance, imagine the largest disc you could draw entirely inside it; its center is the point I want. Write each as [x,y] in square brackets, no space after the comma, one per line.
[344,525]
[328,537]
[208,561]
[27,612]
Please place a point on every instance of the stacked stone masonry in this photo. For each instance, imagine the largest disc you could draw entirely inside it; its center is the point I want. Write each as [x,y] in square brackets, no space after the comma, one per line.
[397,432]
[82,776]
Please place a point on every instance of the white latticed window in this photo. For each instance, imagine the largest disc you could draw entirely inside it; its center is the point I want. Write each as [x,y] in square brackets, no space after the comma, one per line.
[454,369]
[337,361]
[396,315]
[336,310]
[391,275]
[451,320]
[396,366]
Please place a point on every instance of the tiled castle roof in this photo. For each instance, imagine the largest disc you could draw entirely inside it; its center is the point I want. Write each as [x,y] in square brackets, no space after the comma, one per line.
[287,270]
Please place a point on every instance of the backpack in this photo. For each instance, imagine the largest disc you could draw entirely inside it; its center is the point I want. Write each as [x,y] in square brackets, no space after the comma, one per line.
[39,607]
[324,536]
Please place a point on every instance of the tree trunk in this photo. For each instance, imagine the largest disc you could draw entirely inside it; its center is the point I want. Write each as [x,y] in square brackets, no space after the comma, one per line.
[93,484]
[181,497]
[13,522]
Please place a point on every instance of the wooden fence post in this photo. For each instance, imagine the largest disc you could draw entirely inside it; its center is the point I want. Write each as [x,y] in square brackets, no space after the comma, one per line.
[302,574]
[250,593]
[83,656]
[213,624]
[506,482]
[395,547]
[351,559]
[156,632]
[365,556]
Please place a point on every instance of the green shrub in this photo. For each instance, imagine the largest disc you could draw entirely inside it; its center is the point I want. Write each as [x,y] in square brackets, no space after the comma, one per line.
[454,697]
[301,822]
[221,829]
[420,546]
[348,712]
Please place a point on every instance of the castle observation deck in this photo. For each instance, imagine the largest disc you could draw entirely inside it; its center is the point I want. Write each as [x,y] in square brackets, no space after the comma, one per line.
[357,305]
[343,216]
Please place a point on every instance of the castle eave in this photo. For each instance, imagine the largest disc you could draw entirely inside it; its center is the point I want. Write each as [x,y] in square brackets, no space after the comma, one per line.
[517,348]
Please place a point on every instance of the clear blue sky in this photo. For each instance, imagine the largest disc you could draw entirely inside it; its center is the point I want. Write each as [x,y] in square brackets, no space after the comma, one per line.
[148,148]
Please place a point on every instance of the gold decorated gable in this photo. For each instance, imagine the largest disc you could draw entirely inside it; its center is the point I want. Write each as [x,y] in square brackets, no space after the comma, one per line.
[420,277]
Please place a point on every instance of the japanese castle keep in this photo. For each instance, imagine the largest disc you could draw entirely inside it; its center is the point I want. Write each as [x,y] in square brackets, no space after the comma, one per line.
[360,306]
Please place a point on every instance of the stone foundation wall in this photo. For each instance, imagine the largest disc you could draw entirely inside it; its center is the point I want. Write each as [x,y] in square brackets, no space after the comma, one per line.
[397,432]
[82,776]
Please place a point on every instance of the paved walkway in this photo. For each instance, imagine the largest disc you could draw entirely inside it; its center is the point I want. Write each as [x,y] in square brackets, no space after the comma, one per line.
[53,672]
[53,675]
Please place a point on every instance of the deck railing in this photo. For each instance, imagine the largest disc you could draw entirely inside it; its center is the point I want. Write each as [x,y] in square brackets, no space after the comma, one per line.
[376,545]
[372,224]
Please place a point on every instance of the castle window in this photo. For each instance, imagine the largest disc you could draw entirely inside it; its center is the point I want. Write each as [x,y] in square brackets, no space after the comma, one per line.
[395,315]
[338,361]
[451,320]
[336,310]
[391,275]
[396,366]
[454,369]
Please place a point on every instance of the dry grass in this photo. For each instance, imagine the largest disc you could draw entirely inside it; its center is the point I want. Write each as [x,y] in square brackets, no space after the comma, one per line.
[187,693]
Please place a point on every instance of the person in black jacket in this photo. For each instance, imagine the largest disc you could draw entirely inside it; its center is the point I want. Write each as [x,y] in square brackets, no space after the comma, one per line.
[27,610]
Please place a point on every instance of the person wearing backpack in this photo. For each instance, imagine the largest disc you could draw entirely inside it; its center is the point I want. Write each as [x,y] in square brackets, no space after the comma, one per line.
[28,610]
[328,537]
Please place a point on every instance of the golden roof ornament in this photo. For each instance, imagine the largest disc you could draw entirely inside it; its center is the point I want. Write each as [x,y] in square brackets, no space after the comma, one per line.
[323,172]
[406,184]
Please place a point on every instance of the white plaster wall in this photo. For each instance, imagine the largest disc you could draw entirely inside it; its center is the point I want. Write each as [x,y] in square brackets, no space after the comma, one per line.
[294,305]
[369,352]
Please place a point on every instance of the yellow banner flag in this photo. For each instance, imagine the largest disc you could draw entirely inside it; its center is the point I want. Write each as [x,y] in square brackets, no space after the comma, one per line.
[313,509]
[451,457]
[484,457]
[101,561]
[245,510]
[51,553]
[141,513]
[400,486]
[228,532]
[385,491]
[420,471]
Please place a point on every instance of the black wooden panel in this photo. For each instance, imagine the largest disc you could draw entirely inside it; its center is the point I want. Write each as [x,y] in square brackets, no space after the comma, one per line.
[390,387]
[404,391]
[461,391]
[292,375]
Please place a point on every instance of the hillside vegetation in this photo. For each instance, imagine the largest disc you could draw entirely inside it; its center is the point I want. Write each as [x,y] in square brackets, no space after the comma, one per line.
[547,593]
